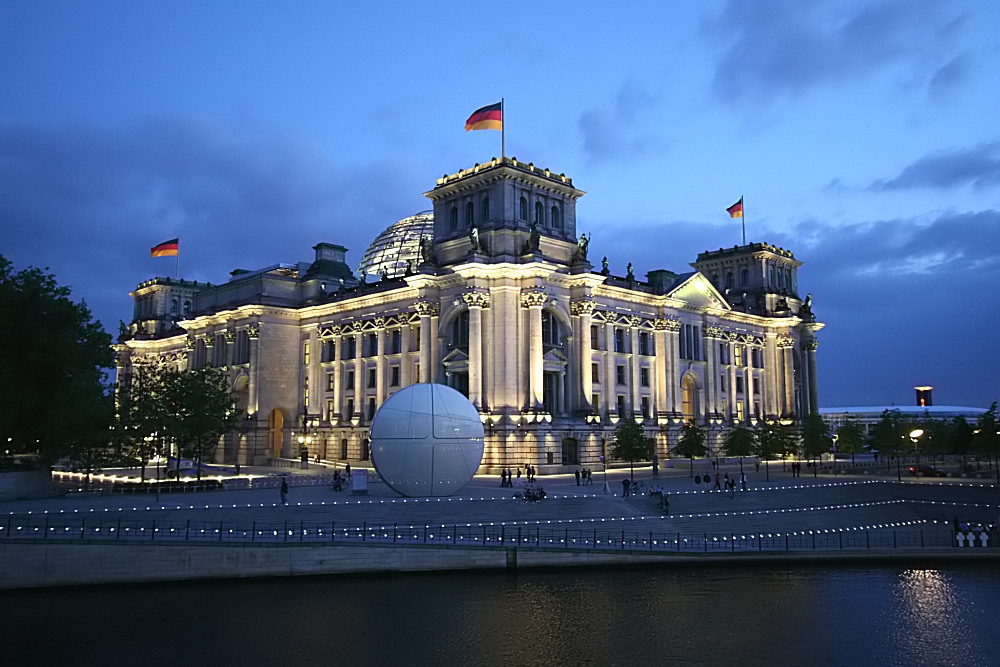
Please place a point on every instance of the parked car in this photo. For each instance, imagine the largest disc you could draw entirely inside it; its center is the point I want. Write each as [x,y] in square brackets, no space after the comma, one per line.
[927,471]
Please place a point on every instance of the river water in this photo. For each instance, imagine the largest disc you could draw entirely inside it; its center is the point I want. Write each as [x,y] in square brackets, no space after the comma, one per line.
[882,614]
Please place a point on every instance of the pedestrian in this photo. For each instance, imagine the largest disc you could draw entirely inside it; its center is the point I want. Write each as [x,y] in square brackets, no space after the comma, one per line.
[578,477]
[531,473]
[347,468]
[503,478]
[743,480]
[718,487]
[284,491]
[625,485]
[732,487]
[519,477]
[756,464]
[590,476]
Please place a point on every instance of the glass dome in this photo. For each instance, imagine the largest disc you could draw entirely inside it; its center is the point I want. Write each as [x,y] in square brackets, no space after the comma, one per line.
[398,246]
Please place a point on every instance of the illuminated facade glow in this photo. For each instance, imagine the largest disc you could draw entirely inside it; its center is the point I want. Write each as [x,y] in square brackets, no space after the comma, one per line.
[503,303]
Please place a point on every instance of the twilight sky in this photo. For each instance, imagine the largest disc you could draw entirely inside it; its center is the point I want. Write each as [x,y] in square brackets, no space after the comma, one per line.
[863,135]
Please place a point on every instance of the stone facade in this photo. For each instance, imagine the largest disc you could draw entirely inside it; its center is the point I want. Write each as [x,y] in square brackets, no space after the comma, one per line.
[505,306]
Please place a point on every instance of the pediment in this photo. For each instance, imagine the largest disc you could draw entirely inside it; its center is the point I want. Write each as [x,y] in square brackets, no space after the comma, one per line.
[699,292]
[458,355]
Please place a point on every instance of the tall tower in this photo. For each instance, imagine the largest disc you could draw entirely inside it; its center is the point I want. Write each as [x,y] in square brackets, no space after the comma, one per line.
[510,208]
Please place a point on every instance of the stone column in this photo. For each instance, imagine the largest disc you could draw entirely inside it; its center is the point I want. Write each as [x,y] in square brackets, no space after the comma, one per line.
[711,341]
[673,367]
[582,310]
[380,362]
[359,371]
[534,300]
[810,346]
[312,373]
[230,346]
[338,370]
[770,375]
[731,378]
[404,355]
[750,380]
[633,331]
[253,389]
[610,374]
[786,343]
[428,312]
[476,301]
[659,368]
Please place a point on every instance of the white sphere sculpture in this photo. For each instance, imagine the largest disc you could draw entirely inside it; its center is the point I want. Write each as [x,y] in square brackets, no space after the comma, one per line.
[427,440]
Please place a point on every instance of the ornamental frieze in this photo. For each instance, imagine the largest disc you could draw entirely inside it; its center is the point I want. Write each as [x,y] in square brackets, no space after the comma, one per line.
[582,307]
[633,320]
[533,299]
[714,332]
[380,322]
[785,340]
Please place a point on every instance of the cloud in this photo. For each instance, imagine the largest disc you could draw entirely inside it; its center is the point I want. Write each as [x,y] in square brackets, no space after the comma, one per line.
[978,166]
[949,77]
[609,129]
[781,49]
[98,199]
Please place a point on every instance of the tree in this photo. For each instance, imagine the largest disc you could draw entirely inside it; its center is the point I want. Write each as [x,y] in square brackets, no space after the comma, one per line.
[88,449]
[850,438]
[771,439]
[198,409]
[691,443]
[53,356]
[816,438]
[139,414]
[962,434]
[630,443]
[891,435]
[986,441]
[739,442]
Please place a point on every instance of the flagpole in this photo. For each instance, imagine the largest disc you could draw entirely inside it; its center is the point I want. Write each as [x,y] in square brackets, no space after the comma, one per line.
[503,132]
[177,269]
[743,219]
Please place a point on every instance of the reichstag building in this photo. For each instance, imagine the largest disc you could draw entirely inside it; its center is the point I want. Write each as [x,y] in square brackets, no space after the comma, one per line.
[495,293]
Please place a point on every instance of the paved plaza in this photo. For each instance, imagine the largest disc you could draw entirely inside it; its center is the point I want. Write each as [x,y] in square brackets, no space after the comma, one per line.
[784,504]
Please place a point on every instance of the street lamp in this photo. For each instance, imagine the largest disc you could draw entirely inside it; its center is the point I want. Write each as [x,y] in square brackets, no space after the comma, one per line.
[914,435]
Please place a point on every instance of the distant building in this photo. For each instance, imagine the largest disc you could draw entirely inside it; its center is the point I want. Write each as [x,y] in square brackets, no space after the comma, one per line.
[871,415]
[494,293]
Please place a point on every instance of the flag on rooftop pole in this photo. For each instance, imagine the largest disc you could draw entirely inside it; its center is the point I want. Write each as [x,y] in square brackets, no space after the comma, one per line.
[489,118]
[736,211]
[169,248]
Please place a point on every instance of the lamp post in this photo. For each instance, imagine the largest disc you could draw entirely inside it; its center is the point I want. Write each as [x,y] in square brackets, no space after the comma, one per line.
[305,440]
[914,435]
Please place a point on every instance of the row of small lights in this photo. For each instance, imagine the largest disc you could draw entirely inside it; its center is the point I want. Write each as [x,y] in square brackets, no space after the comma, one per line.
[494,498]
[371,530]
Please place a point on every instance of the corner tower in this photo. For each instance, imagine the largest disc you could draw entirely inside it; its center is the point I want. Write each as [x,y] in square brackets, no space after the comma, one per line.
[510,208]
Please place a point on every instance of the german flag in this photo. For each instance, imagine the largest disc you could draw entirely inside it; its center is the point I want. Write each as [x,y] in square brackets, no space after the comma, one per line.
[736,210]
[487,118]
[165,249]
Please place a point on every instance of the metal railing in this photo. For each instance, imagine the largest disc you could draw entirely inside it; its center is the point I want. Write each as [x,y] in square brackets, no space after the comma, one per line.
[65,528]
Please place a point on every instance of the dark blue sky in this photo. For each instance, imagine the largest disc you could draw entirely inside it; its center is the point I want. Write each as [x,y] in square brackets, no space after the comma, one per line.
[863,136]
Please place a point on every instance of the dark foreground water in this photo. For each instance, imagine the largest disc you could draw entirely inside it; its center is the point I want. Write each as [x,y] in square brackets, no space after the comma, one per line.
[732,615]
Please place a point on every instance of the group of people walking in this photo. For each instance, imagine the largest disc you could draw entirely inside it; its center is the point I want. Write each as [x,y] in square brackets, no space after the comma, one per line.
[507,478]
[583,475]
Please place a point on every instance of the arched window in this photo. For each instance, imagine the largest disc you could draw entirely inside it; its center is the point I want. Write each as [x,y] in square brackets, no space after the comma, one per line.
[715,280]
[485,213]
[454,218]
[729,280]
[468,214]
[555,217]
[187,307]
[744,278]
[550,329]
[539,213]
[460,330]
[687,398]
[524,208]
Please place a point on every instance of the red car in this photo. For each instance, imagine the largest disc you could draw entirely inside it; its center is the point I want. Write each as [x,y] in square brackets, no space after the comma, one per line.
[927,471]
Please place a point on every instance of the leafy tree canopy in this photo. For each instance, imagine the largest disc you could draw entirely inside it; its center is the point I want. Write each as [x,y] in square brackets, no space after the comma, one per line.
[52,366]
[630,442]
[816,439]
[739,442]
[692,441]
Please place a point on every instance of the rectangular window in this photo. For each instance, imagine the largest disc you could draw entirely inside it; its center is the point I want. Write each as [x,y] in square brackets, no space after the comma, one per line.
[371,408]
[645,406]
[621,404]
[644,376]
[305,353]
[415,338]
[739,385]
[397,342]
[595,373]
[395,376]
[738,355]
[722,383]
[371,378]
[756,387]
[372,344]
[739,411]
[620,374]
[696,343]
[305,395]
[349,381]
[329,410]
[349,411]
[351,347]
[595,337]
[595,402]
[329,382]
[644,343]
[619,340]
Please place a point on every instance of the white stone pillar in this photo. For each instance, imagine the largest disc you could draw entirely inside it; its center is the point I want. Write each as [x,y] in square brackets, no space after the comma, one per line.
[359,371]
[338,371]
[633,330]
[380,362]
[750,381]
[253,388]
[731,379]
[770,375]
[583,310]
[534,300]
[787,343]
[476,301]
[811,346]
[428,312]
[710,342]
[610,370]
[673,367]
[404,356]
